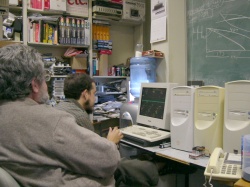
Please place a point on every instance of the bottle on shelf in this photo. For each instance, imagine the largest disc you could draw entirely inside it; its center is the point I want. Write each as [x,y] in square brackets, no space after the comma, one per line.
[138,50]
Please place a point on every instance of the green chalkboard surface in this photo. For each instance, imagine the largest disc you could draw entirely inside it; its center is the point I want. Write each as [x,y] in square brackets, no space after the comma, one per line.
[218,40]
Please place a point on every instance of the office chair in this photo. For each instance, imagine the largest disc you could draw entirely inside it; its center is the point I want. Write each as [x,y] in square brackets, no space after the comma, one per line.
[6,180]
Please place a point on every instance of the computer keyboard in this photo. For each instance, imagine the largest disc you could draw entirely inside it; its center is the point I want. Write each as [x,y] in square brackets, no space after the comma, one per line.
[145,133]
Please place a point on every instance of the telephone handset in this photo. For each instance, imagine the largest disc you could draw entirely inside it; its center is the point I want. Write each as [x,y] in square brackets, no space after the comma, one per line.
[221,167]
[215,160]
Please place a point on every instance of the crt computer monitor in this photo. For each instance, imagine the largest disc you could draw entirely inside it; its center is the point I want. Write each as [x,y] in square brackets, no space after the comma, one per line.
[154,105]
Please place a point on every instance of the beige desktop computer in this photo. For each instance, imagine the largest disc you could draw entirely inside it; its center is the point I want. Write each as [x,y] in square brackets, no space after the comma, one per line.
[182,118]
[236,114]
[208,117]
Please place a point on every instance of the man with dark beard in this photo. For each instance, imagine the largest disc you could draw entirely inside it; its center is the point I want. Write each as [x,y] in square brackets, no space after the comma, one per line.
[79,90]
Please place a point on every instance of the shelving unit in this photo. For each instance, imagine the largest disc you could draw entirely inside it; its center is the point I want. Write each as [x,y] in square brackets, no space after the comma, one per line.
[127,33]
[24,10]
[124,35]
[57,50]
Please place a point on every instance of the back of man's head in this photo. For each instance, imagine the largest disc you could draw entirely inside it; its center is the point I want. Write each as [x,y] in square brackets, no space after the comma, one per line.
[75,84]
[19,65]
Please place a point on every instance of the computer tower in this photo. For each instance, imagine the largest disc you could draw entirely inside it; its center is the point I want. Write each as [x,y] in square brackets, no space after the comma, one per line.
[208,117]
[182,118]
[236,114]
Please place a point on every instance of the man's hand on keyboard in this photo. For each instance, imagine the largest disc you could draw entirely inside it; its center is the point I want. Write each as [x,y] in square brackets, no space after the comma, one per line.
[114,135]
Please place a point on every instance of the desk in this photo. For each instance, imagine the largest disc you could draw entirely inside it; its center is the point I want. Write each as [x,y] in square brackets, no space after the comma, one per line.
[242,183]
[173,154]
[154,149]
[182,157]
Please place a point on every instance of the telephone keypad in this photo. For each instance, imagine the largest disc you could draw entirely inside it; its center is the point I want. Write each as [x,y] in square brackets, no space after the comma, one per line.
[223,169]
[229,169]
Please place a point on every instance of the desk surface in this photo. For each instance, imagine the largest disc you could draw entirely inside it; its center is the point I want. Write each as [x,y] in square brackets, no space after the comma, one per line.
[173,154]
[182,156]
[242,183]
[154,149]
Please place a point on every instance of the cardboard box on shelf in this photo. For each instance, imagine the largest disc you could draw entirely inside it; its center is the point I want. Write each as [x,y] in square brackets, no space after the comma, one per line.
[133,10]
[103,65]
[78,62]
[79,71]
[153,53]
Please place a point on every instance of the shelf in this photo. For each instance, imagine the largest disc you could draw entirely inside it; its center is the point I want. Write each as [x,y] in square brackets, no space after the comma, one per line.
[56,45]
[13,8]
[110,77]
[109,93]
[47,12]
[55,12]
[59,76]
[75,15]
[8,42]
[119,22]
[61,66]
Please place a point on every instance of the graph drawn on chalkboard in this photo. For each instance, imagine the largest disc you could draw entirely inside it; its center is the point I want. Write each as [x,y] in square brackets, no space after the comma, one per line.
[218,40]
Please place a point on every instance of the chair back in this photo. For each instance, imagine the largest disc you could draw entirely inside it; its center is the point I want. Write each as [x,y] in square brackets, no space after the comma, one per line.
[6,180]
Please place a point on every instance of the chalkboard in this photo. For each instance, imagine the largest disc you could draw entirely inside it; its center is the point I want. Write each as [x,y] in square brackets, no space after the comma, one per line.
[218,40]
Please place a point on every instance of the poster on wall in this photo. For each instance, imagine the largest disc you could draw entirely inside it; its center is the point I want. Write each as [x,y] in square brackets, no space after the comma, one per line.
[158,21]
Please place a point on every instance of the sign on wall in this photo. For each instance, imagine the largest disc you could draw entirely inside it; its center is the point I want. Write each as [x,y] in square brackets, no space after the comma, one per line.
[158,20]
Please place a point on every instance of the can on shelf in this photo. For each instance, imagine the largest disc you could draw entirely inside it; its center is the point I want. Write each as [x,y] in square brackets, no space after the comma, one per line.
[113,71]
[123,71]
[118,72]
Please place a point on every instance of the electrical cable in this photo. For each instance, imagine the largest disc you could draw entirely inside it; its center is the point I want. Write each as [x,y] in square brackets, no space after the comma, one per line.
[210,178]
[205,184]
[209,181]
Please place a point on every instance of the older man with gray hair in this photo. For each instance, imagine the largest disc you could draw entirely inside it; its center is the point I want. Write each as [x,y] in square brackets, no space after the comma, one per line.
[42,146]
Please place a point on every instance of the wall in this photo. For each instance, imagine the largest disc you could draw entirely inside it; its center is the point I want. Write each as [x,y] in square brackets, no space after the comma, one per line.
[123,39]
[173,67]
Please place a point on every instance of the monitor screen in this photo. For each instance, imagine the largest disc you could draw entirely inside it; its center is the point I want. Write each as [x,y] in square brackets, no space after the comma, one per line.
[154,105]
[153,102]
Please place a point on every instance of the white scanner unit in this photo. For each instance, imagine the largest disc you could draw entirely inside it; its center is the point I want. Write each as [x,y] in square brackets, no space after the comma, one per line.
[236,115]
[208,117]
[182,120]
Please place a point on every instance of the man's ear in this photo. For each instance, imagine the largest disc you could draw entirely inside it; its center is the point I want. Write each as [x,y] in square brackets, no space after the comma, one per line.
[85,94]
[35,86]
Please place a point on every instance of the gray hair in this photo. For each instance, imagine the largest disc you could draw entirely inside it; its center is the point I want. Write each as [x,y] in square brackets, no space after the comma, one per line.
[19,65]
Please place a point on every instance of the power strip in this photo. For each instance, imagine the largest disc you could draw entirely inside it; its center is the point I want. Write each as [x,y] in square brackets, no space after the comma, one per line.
[106,10]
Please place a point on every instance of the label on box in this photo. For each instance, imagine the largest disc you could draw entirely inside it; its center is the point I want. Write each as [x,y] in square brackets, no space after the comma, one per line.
[58,5]
[13,2]
[78,7]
